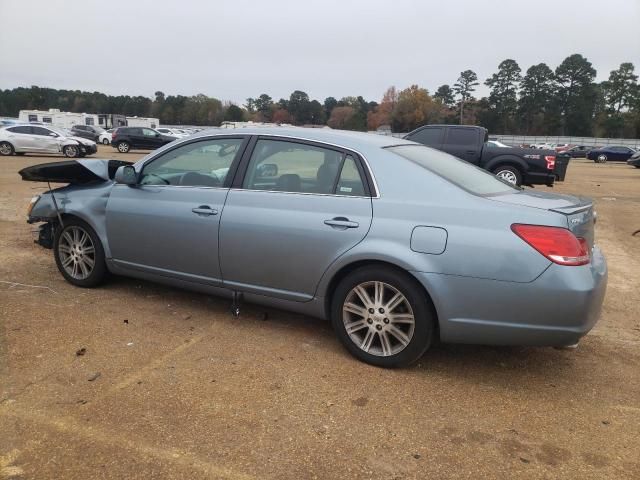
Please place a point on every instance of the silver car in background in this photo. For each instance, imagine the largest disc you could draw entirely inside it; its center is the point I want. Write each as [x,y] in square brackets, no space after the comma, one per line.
[396,243]
[30,138]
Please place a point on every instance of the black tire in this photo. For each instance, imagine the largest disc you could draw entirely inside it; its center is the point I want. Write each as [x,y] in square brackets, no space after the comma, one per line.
[423,314]
[99,271]
[6,149]
[509,173]
[123,147]
[71,151]
[105,141]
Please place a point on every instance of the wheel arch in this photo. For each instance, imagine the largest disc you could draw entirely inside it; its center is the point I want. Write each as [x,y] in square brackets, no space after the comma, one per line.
[345,270]
[507,160]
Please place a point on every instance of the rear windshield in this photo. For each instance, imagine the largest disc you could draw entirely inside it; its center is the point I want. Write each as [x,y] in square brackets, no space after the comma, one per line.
[458,172]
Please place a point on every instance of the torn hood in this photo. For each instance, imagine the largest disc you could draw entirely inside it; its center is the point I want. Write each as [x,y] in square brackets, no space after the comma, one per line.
[73,171]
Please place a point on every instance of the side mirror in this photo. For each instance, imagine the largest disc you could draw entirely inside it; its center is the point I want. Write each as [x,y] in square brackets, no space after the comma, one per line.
[52,134]
[157,134]
[126,175]
[268,170]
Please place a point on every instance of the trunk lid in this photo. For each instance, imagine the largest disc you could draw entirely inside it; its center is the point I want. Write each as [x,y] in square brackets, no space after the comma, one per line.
[73,171]
[577,210]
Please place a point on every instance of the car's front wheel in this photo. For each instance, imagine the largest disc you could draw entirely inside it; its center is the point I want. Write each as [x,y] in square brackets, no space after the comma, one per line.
[382,316]
[105,141]
[79,254]
[6,148]
[509,174]
[123,147]
[71,151]
[602,158]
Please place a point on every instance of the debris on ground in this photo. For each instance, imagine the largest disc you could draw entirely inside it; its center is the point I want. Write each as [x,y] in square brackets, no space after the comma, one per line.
[81,352]
[94,377]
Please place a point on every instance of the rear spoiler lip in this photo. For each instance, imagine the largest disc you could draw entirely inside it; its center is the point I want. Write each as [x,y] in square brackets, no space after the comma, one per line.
[572,210]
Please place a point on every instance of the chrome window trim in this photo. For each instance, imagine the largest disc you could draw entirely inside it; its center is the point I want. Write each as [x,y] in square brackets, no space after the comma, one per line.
[239,134]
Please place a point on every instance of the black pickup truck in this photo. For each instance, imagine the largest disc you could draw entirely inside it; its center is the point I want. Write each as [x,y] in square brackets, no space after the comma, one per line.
[521,166]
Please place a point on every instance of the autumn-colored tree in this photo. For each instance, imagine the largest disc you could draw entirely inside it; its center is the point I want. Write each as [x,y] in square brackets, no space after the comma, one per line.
[415,107]
[340,117]
[381,115]
[280,115]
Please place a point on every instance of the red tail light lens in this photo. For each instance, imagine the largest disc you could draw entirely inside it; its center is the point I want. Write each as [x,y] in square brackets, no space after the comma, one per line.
[114,134]
[557,244]
[551,161]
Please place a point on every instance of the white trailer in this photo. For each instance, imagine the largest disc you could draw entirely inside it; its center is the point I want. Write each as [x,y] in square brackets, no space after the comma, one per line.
[60,119]
[143,122]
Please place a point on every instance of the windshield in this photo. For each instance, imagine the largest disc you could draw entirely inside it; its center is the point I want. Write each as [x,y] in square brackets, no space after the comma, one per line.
[456,171]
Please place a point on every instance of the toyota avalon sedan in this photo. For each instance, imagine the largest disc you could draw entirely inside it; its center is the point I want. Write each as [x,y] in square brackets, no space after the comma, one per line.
[396,243]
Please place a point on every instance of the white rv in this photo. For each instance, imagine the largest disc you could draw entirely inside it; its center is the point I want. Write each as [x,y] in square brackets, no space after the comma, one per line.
[55,117]
[143,122]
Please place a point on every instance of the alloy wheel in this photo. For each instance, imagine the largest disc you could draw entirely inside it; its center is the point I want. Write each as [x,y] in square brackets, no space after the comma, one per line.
[602,158]
[507,175]
[378,318]
[5,149]
[71,151]
[77,252]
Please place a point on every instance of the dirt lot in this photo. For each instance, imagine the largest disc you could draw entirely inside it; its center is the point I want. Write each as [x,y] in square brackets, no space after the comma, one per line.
[172,386]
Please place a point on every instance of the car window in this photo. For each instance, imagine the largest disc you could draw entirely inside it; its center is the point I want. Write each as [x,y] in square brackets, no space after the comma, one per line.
[428,136]
[147,132]
[462,136]
[21,129]
[458,172]
[41,131]
[350,182]
[292,167]
[199,164]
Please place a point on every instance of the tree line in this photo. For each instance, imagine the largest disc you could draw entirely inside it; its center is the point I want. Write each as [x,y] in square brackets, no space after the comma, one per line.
[542,101]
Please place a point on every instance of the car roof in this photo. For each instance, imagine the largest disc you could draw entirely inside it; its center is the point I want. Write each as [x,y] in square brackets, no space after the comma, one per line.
[342,138]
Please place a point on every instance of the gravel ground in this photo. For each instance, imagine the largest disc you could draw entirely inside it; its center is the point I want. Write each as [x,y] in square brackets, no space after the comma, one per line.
[170,385]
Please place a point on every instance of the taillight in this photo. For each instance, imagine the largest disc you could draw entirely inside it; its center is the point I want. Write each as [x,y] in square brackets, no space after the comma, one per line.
[114,134]
[551,161]
[557,244]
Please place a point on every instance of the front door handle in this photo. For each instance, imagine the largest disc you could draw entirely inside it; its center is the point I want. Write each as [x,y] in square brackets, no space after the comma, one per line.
[470,152]
[341,223]
[205,210]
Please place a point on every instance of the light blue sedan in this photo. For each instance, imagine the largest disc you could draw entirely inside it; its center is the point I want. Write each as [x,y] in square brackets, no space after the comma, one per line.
[397,244]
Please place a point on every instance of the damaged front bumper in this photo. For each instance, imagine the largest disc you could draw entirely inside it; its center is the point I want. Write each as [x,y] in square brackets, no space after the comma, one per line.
[45,233]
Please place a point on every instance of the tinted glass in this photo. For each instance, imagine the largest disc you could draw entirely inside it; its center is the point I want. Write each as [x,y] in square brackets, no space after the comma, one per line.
[22,129]
[292,167]
[462,136]
[350,182]
[200,164]
[40,131]
[428,136]
[458,172]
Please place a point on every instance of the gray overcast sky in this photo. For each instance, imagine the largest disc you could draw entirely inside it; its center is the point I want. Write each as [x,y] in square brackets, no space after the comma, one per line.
[238,49]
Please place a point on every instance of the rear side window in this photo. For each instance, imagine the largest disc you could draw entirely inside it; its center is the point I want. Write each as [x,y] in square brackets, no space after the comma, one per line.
[41,131]
[22,129]
[456,171]
[350,181]
[428,136]
[462,136]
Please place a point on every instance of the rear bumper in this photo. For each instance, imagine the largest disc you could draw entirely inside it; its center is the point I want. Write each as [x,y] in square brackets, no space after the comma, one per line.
[557,309]
[539,178]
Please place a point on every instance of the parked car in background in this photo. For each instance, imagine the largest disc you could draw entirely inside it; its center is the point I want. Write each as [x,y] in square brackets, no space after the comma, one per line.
[170,132]
[309,221]
[578,151]
[519,166]
[610,153]
[634,160]
[497,143]
[131,138]
[105,137]
[561,147]
[87,131]
[21,139]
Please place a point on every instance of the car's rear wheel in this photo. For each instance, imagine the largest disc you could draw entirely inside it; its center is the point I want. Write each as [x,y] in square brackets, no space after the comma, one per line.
[509,174]
[382,316]
[602,158]
[105,141]
[79,254]
[6,149]
[123,147]
[71,151]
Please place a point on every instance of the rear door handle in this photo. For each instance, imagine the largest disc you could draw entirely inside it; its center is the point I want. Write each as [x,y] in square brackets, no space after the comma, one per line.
[341,223]
[205,210]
